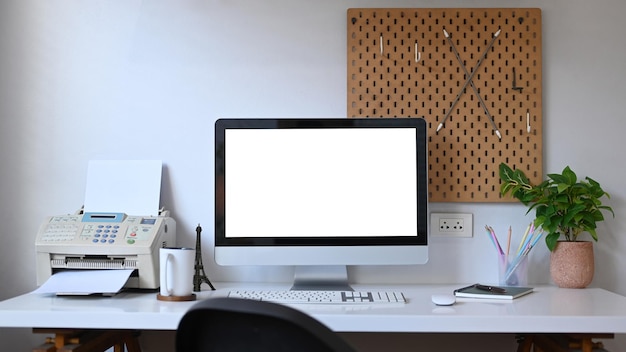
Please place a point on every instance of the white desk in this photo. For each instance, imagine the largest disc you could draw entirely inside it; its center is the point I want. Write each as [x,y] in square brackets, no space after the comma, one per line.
[548,309]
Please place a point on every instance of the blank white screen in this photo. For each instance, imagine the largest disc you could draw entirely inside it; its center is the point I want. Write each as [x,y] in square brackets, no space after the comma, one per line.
[321,182]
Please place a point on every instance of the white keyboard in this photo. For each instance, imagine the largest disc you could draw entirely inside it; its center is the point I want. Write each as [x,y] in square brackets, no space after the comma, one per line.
[321,297]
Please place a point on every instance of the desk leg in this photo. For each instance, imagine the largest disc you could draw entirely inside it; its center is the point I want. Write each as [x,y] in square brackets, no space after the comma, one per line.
[61,338]
[543,343]
[537,343]
[560,342]
[584,342]
[71,340]
[132,344]
[524,343]
[47,347]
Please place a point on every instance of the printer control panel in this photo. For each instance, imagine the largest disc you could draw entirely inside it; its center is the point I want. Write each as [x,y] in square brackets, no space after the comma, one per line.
[61,228]
[98,229]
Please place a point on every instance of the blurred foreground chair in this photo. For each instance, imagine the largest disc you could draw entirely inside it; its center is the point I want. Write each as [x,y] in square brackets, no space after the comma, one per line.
[230,324]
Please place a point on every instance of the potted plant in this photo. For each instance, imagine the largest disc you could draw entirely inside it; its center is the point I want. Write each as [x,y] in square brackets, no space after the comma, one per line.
[565,207]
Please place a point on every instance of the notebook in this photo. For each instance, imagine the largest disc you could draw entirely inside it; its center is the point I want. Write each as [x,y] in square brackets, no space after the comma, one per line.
[510,292]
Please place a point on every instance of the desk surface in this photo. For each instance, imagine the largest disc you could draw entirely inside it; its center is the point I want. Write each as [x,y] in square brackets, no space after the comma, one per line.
[548,309]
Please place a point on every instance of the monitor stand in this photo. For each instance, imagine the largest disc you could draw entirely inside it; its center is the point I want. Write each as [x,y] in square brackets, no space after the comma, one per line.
[321,277]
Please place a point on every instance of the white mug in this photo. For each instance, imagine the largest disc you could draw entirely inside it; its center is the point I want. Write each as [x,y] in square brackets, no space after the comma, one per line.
[176,271]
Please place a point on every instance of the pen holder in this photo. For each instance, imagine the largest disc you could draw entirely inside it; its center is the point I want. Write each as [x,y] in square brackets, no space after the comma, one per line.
[513,270]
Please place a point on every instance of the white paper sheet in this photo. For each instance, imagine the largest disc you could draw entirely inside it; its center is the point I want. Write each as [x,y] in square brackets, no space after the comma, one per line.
[132,187]
[85,282]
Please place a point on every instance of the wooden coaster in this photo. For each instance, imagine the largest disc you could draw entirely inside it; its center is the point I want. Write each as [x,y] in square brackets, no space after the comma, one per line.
[191,297]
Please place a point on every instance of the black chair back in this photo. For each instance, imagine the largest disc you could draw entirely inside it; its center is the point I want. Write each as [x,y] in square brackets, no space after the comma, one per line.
[229,324]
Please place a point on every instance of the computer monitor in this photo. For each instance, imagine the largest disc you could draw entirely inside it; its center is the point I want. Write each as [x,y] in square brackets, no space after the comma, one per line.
[320,195]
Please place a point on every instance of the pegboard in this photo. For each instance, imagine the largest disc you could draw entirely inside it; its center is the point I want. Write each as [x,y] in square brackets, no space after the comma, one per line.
[402,63]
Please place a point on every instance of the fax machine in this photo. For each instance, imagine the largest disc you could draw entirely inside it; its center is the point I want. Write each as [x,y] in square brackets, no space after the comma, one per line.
[89,240]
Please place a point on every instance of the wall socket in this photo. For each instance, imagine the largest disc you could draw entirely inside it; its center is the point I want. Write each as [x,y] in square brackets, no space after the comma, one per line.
[451,224]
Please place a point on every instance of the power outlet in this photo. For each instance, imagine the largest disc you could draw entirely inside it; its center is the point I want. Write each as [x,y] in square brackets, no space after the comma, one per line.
[451,224]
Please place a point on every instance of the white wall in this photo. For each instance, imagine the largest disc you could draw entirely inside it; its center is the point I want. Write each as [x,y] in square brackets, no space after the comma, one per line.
[82,80]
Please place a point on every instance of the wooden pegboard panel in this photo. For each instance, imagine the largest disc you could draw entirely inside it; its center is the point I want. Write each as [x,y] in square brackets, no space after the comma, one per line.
[388,77]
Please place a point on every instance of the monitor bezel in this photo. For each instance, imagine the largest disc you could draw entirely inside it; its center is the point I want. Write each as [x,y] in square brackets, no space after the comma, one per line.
[419,124]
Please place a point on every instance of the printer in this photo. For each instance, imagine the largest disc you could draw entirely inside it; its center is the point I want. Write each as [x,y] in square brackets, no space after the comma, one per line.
[111,241]
[103,235]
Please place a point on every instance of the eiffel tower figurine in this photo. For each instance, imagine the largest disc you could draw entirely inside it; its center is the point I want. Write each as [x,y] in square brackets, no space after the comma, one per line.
[199,276]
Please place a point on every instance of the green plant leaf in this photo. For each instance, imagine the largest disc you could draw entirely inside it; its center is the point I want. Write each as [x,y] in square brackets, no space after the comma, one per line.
[572,212]
[557,178]
[563,205]
[561,187]
[551,240]
[569,175]
[605,207]
[593,234]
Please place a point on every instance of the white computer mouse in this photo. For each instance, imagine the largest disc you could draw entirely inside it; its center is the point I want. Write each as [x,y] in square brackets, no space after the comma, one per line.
[443,299]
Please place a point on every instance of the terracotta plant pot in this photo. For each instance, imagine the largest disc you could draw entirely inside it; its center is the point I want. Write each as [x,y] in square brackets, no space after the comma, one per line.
[572,264]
